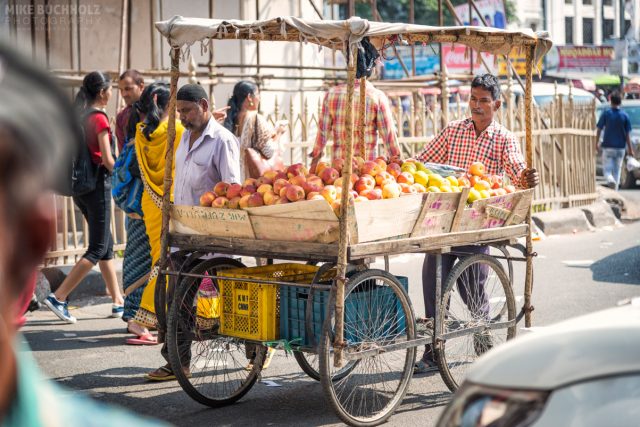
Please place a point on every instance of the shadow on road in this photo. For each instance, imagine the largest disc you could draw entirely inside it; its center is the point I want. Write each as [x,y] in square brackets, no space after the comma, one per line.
[621,267]
[56,340]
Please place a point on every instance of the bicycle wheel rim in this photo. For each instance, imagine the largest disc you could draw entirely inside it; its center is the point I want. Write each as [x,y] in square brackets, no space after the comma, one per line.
[217,364]
[483,313]
[374,387]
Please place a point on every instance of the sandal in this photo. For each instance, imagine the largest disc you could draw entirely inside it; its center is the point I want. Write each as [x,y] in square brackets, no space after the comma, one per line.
[164,373]
[144,339]
[423,366]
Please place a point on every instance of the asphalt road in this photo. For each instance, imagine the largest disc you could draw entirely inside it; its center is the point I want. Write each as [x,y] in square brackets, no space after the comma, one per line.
[574,274]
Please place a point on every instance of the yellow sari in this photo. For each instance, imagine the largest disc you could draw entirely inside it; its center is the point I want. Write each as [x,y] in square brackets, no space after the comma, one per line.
[151,158]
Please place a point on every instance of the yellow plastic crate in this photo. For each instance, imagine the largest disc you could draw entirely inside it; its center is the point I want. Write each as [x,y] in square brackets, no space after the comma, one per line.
[251,310]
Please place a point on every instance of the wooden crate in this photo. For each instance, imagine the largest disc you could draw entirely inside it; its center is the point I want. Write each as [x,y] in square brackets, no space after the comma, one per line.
[498,211]
[309,221]
[210,221]
[438,213]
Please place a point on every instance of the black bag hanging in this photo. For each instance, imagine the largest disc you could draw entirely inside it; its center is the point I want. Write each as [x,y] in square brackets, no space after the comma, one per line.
[367,56]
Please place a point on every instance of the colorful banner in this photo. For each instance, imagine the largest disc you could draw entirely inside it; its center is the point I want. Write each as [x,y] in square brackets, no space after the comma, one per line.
[519,60]
[580,59]
[457,58]
[427,61]
[491,10]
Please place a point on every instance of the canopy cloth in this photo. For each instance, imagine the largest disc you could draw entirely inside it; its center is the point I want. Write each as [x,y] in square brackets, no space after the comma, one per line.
[181,32]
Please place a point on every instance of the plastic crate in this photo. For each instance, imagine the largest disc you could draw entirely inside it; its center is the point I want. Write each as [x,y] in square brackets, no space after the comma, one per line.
[293,306]
[250,310]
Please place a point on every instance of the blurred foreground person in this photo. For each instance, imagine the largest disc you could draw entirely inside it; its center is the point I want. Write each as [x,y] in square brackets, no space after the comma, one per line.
[33,161]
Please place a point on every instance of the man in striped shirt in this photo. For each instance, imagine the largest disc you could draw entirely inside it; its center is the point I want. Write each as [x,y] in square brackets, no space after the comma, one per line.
[476,139]
[333,124]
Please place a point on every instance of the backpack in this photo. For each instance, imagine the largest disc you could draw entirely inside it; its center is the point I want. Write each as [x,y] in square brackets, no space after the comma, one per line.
[83,176]
[126,184]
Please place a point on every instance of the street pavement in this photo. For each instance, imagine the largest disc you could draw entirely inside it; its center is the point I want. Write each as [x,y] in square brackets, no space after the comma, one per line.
[574,274]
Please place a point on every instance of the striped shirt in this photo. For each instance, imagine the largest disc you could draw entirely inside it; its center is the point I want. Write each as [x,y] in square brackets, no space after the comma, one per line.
[378,122]
[496,147]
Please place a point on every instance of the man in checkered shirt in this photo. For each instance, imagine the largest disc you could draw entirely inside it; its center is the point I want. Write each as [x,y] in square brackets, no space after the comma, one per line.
[476,139]
[333,125]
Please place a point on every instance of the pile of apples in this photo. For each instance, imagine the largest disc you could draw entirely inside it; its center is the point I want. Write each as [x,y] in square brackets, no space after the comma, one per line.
[483,186]
[370,180]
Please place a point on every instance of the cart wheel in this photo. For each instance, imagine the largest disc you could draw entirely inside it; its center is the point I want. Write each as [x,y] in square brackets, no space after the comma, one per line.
[217,363]
[309,362]
[491,314]
[377,313]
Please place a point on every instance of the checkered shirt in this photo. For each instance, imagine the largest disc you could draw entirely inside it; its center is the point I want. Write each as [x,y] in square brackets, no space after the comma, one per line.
[378,121]
[496,147]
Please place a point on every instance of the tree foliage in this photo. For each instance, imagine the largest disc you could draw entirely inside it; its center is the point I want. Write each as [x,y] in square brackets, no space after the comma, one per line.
[425,11]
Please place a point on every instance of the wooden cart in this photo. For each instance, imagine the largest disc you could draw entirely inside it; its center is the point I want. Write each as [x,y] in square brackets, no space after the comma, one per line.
[365,352]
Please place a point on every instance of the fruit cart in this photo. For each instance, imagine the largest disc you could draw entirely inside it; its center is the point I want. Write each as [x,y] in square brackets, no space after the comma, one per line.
[351,327]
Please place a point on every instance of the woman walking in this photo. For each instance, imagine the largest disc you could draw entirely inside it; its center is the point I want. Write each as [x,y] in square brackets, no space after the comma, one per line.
[95,206]
[251,128]
[150,122]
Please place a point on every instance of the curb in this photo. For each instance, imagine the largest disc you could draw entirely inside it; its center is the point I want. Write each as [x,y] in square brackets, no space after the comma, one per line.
[600,214]
[562,221]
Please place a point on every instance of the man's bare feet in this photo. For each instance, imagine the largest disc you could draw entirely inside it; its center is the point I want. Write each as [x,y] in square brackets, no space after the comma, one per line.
[137,329]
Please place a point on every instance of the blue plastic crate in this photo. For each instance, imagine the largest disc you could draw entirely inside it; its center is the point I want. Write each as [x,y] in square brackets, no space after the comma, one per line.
[360,307]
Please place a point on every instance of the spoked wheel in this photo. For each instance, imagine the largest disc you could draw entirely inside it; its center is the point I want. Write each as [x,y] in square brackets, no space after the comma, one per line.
[477,318]
[377,313]
[217,365]
[310,362]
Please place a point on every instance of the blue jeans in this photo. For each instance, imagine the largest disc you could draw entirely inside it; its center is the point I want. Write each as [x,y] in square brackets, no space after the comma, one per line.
[612,163]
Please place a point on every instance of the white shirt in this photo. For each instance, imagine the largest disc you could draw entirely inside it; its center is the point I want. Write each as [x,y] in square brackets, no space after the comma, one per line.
[213,157]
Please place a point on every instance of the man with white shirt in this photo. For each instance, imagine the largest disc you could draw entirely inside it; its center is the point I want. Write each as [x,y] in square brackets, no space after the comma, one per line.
[208,153]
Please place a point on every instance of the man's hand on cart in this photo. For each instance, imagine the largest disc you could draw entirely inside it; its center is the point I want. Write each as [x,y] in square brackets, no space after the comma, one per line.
[530,178]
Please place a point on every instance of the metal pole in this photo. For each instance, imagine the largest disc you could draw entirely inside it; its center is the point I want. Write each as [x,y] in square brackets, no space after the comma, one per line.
[528,99]
[161,291]
[343,242]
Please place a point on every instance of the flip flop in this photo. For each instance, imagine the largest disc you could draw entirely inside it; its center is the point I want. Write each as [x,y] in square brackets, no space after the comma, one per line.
[144,339]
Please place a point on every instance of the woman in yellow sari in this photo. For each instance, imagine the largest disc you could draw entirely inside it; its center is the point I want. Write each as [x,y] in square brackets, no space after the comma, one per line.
[150,144]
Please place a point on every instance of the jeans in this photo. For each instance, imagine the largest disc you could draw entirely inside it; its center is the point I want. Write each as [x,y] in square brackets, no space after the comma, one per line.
[96,209]
[611,164]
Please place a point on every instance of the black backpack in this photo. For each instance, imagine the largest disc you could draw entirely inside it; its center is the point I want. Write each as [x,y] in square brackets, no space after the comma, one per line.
[83,176]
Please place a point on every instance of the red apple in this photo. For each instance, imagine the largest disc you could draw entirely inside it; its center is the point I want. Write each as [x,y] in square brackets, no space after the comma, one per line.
[296,169]
[391,191]
[244,201]
[269,198]
[370,168]
[394,169]
[250,181]
[264,188]
[337,164]
[405,178]
[319,167]
[298,180]
[477,169]
[234,203]
[382,163]
[207,198]
[366,182]
[220,202]
[255,200]
[221,189]
[329,175]
[278,184]
[263,180]
[329,193]
[374,194]
[234,190]
[248,189]
[295,193]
